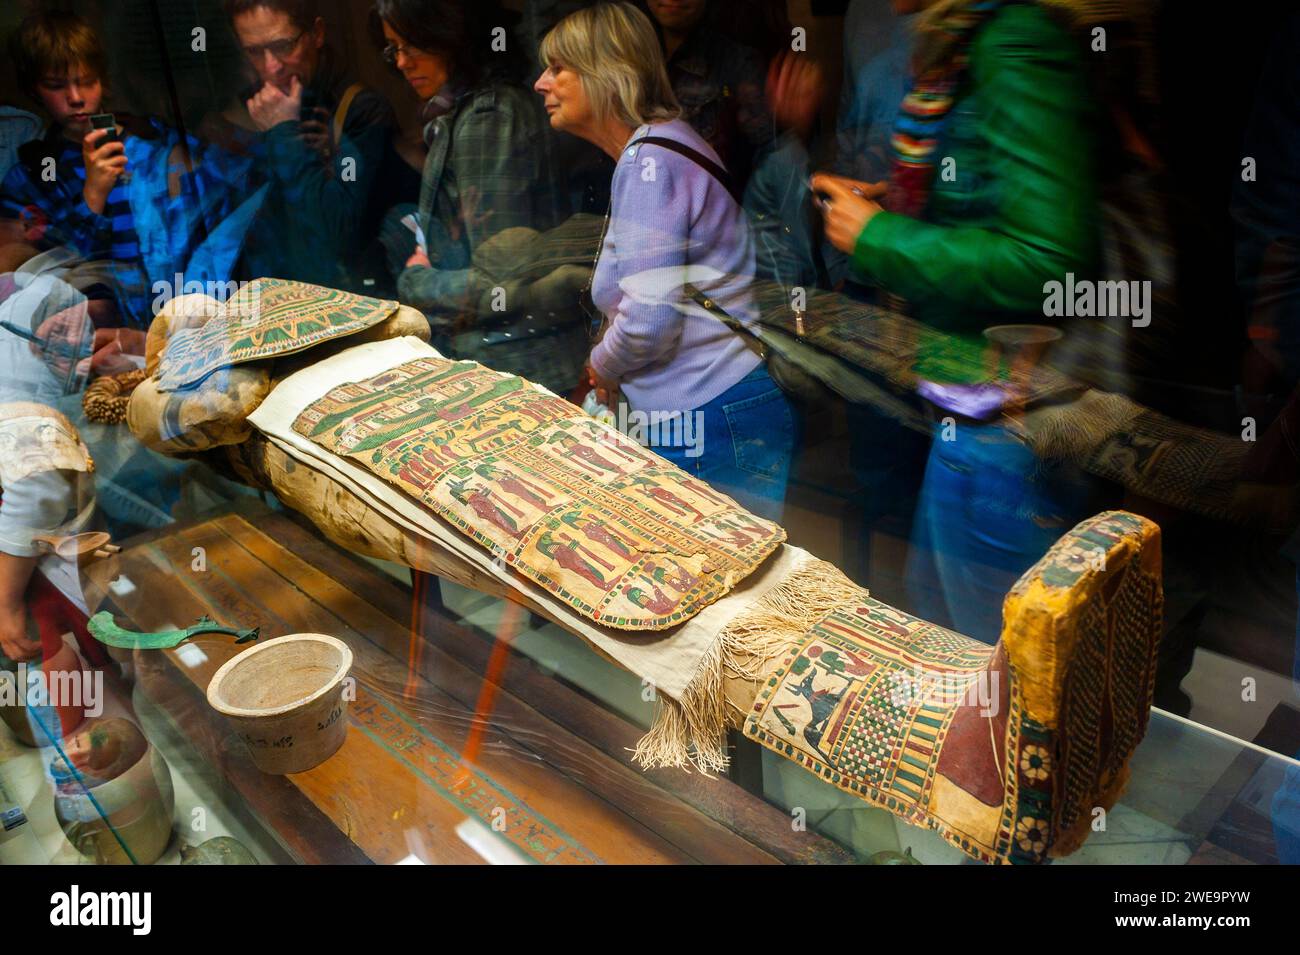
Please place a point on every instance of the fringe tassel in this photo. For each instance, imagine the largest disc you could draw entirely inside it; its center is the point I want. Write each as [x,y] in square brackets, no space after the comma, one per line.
[691,731]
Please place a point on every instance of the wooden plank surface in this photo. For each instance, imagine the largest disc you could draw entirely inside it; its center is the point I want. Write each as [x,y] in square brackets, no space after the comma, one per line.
[399,786]
[393,788]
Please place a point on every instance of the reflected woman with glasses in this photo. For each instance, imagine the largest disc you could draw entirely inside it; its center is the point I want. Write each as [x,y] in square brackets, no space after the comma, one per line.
[326,142]
[486,192]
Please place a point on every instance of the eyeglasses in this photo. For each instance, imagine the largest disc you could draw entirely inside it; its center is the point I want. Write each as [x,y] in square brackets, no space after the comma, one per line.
[391,52]
[280,50]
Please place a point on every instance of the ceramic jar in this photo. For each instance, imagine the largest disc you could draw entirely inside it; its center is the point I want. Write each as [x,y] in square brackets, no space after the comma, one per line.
[285,698]
[113,793]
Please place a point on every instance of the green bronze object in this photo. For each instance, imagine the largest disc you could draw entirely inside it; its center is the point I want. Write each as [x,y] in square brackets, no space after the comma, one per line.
[104,629]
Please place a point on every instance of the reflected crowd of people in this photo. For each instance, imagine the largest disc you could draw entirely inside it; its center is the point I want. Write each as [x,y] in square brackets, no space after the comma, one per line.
[944,276]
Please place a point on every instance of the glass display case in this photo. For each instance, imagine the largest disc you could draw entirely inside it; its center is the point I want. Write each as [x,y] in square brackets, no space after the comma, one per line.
[352,511]
[478,736]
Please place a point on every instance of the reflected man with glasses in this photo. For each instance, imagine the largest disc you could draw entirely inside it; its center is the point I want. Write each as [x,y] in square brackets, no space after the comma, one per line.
[327,144]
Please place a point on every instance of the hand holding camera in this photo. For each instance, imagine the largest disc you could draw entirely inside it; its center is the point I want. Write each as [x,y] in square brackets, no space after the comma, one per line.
[104,154]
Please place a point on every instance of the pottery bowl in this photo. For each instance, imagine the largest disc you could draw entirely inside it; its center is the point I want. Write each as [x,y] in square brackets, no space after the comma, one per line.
[285,699]
[113,793]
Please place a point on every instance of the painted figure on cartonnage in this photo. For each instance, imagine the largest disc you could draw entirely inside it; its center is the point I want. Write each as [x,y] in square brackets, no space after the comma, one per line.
[887,620]
[738,529]
[432,450]
[703,491]
[577,546]
[416,473]
[464,404]
[483,505]
[598,531]
[567,556]
[376,395]
[735,536]
[676,505]
[835,663]
[431,410]
[821,703]
[542,410]
[614,443]
[513,484]
[428,410]
[659,603]
[586,456]
[681,582]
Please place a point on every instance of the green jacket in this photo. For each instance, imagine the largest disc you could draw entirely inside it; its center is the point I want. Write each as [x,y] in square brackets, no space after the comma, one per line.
[1020,208]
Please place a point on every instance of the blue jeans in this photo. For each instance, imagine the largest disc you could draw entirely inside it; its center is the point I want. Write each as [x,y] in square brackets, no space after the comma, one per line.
[989,509]
[887,460]
[745,445]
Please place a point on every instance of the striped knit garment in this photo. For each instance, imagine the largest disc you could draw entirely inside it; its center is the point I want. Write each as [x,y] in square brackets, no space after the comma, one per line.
[923,113]
[130,283]
[125,246]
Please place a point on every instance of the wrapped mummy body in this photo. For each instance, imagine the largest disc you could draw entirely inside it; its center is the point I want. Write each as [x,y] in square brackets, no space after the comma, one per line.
[1006,750]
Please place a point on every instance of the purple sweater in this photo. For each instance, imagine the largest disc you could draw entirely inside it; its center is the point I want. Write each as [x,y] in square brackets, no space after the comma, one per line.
[671,222]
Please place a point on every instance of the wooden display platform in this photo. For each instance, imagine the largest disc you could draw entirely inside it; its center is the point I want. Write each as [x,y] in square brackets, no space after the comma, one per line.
[553,780]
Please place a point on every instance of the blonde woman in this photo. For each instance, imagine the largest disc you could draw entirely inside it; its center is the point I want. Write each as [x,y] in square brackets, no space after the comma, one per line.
[672,220]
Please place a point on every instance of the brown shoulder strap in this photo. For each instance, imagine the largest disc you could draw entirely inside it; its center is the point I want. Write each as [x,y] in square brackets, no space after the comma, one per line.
[341,113]
[694,155]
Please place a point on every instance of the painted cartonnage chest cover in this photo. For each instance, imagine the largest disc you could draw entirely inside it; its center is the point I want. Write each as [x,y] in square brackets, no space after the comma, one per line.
[624,537]
[266,318]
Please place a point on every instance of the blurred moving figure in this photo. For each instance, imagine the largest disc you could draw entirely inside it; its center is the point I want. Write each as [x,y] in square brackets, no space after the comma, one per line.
[886,457]
[46,326]
[969,247]
[93,219]
[673,220]
[717,81]
[487,192]
[17,126]
[47,349]
[586,170]
[327,149]
[877,74]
